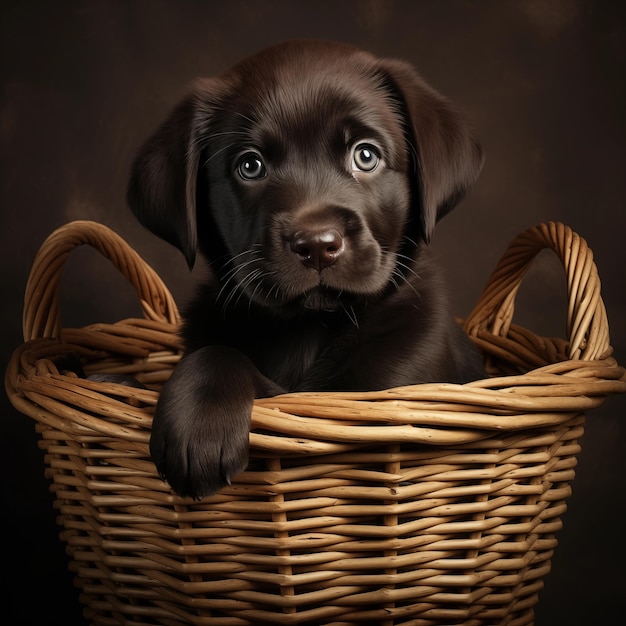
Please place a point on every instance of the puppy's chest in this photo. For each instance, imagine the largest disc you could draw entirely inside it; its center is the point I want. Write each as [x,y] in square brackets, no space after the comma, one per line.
[297,353]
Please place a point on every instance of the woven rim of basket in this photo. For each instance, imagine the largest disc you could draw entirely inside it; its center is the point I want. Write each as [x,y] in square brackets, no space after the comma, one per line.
[565,377]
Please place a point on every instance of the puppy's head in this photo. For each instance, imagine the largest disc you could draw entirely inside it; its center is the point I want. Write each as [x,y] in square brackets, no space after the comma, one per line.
[308,173]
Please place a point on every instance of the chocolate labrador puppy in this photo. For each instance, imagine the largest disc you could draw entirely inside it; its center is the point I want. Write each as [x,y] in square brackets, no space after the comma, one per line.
[310,176]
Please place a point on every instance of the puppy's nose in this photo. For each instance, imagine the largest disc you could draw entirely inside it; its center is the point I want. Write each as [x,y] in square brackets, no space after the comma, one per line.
[318,248]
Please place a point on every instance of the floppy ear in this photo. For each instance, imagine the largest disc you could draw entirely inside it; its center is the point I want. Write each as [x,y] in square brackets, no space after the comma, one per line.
[449,159]
[163,181]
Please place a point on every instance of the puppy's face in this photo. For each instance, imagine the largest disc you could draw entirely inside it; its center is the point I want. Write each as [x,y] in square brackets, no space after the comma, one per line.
[306,186]
[306,175]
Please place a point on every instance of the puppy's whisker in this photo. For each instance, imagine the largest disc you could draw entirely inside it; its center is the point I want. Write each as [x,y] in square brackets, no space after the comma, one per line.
[350,312]
[245,117]
[408,268]
[231,276]
[245,285]
[403,279]
[229,298]
[259,285]
[237,285]
[216,154]
[233,270]
[234,286]
[227,133]
[276,287]
[411,241]
[255,250]
[403,274]
[227,258]
[392,280]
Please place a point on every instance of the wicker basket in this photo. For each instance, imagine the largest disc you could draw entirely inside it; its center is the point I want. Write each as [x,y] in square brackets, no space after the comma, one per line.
[425,505]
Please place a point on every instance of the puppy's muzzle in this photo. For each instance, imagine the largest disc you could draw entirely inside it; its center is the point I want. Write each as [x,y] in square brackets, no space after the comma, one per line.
[318,248]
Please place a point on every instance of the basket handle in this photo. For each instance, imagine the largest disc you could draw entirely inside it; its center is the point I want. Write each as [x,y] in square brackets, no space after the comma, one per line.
[587,324]
[42,319]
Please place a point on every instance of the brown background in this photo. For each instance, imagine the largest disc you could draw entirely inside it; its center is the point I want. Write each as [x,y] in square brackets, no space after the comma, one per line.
[543,82]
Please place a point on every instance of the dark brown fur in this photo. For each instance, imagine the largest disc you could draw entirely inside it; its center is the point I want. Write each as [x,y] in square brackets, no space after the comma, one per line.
[320,272]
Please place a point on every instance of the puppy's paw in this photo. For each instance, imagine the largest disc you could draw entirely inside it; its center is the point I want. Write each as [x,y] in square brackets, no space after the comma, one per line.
[200,432]
[199,460]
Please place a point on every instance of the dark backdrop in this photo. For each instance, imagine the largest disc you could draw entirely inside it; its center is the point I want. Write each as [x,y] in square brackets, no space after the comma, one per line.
[543,82]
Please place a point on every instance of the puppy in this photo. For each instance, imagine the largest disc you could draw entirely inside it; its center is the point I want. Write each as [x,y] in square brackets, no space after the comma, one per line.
[310,177]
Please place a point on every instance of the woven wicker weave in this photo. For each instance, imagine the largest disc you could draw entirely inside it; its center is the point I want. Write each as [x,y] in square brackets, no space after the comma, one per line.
[427,505]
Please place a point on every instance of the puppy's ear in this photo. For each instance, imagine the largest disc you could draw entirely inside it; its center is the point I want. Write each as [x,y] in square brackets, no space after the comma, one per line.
[449,159]
[163,181]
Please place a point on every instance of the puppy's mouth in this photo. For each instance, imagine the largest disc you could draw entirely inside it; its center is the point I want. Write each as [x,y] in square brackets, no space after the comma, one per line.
[295,288]
[322,299]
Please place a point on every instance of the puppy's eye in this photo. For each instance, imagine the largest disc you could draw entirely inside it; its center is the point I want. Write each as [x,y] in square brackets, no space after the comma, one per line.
[365,157]
[250,166]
